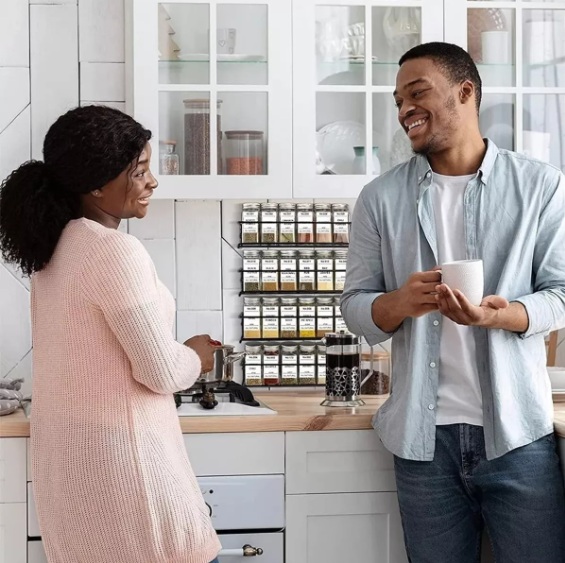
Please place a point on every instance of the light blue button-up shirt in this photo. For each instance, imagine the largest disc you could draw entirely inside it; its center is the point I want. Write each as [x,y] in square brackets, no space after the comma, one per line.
[514,215]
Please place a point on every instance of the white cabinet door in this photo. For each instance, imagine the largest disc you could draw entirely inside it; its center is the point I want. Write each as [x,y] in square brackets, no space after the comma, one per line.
[13,469]
[187,56]
[13,535]
[344,527]
[345,62]
[36,552]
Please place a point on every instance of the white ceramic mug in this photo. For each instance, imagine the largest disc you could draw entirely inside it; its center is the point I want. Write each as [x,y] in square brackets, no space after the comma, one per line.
[467,277]
[496,47]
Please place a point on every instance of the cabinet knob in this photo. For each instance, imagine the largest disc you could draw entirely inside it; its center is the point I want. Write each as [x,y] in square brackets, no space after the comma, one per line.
[249,551]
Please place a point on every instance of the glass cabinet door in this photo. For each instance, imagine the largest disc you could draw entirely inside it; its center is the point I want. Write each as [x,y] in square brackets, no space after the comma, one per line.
[212,79]
[519,48]
[345,63]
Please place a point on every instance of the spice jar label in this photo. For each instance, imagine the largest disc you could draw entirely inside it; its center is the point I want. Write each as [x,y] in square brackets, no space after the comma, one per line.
[307,359]
[251,264]
[250,228]
[341,264]
[270,281]
[308,324]
[252,360]
[269,228]
[252,372]
[324,229]
[325,264]
[322,375]
[270,310]
[288,264]
[287,217]
[251,281]
[323,216]
[307,311]
[307,278]
[290,372]
[269,264]
[325,311]
[271,360]
[340,281]
[307,373]
[252,327]
[288,311]
[340,324]
[321,359]
[305,228]
[288,281]
[341,228]
[288,324]
[268,216]
[341,216]
[305,216]
[289,360]
[249,311]
[271,373]
[325,324]
[325,281]
[306,264]
[250,216]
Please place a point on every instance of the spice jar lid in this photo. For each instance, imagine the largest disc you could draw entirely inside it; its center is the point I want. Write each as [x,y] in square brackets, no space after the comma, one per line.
[244,134]
[270,253]
[289,349]
[305,206]
[271,348]
[270,301]
[342,338]
[307,348]
[323,206]
[252,301]
[288,253]
[253,348]
[324,301]
[341,253]
[289,301]
[306,254]
[324,254]
[287,206]
[251,254]
[306,300]
[321,349]
[340,206]
[251,205]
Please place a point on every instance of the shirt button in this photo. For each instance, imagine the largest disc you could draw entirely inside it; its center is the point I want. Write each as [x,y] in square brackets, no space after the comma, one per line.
[433,365]
[431,407]
[436,323]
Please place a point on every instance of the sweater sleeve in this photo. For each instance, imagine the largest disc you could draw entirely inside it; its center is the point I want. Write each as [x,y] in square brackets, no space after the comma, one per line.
[118,277]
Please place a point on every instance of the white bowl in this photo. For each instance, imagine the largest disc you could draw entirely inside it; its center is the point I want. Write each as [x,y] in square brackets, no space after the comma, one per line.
[557,378]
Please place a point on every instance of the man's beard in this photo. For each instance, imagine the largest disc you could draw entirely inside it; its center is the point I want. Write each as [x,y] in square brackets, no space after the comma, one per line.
[436,143]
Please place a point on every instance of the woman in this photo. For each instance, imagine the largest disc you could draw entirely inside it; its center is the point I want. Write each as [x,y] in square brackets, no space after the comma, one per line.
[112,480]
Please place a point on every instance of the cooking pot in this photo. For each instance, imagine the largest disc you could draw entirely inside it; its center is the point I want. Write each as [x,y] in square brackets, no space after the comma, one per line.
[224,358]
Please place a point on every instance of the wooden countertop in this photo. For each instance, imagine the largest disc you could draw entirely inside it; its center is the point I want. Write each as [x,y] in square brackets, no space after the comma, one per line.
[295,412]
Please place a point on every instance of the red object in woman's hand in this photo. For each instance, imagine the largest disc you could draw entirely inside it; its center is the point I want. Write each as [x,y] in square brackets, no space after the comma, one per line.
[215,342]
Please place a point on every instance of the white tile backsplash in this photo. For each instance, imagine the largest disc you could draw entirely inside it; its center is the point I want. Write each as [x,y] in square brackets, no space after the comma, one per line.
[102,31]
[117,105]
[158,223]
[162,252]
[102,81]
[14,33]
[14,94]
[231,266]
[24,370]
[15,145]
[191,323]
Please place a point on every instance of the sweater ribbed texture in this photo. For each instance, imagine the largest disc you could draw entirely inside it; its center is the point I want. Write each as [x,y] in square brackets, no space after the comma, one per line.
[112,479]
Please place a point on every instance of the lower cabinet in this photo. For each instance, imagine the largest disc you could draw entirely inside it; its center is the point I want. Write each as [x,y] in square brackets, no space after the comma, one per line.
[333,528]
[13,533]
[35,552]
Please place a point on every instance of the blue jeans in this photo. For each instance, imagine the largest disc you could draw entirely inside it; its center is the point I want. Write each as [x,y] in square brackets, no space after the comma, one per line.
[215,561]
[445,503]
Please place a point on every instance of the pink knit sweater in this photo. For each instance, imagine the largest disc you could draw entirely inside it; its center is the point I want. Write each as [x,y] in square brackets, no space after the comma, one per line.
[112,479]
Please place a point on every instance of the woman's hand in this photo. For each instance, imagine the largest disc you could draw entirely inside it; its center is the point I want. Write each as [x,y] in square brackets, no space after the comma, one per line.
[204,346]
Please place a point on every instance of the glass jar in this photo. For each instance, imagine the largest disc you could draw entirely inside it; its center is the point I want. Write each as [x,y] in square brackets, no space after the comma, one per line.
[289,360]
[288,270]
[253,365]
[270,314]
[305,223]
[169,163]
[340,266]
[375,366]
[270,270]
[251,318]
[244,153]
[339,322]
[197,136]
[271,364]
[325,270]
[289,314]
[287,223]
[340,212]
[250,220]
[306,270]
[323,223]
[307,317]
[307,364]
[324,316]
[321,361]
[269,223]
[251,266]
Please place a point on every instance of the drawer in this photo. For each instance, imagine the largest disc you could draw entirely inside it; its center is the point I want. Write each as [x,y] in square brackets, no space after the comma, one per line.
[340,461]
[13,467]
[259,453]
[35,552]
[13,536]
[271,544]
[32,522]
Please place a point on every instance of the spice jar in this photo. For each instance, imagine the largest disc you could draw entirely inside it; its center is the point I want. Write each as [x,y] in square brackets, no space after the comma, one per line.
[325,270]
[287,223]
[306,273]
[340,212]
[323,223]
[253,365]
[271,364]
[197,136]
[288,269]
[339,322]
[324,316]
[270,270]
[169,163]
[250,220]
[307,317]
[305,222]
[321,361]
[251,318]
[289,359]
[340,266]
[269,223]
[289,314]
[251,265]
[270,314]
[244,153]
[307,364]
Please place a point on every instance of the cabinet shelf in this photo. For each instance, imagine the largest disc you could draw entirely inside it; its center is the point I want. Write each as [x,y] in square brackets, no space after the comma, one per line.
[314,293]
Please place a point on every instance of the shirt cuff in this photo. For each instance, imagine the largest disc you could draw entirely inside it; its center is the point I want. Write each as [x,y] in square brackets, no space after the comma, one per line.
[531,305]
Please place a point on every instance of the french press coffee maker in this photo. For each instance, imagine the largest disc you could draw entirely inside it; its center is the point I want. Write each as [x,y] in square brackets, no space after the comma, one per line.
[343,370]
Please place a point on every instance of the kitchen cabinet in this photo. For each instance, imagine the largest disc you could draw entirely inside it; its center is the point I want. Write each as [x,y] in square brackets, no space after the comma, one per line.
[519,48]
[13,537]
[13,465]
[334,528]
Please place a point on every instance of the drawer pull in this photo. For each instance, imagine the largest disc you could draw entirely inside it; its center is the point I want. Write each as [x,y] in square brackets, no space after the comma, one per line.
[245,551]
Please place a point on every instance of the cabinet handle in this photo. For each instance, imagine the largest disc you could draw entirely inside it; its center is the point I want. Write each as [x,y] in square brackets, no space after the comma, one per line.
[245,551]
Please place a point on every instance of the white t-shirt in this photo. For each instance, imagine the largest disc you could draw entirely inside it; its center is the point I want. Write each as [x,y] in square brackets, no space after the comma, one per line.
[459,397]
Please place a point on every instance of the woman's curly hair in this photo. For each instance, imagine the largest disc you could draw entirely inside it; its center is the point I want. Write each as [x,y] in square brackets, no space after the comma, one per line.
[83,150]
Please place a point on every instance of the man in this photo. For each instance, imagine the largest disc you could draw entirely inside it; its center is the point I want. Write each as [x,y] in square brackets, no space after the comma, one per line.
[470,416]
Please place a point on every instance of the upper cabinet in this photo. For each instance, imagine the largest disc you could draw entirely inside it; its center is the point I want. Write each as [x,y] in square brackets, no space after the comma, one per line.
[345,60]
[519,47]
[213,81]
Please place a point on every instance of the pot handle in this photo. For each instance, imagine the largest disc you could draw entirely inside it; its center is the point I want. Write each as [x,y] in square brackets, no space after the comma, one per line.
[232,358]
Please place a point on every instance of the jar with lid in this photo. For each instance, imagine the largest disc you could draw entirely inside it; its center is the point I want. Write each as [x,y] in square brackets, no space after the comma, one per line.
[323,223]
[270,315]
[289,315]
[289,361]
[269,223]
[307,317]
[306,270]
[287,223]
[244,153]
[325,270]
[271,365]
[169,163]
[251,318]
[307,364]
[197,136]
[340,212]
[251,267]
[375,372]
[250,223]
[340,266]
[340,325]
[253,365]
[324,316]
[270,270]
[321,361]
[305,223]
[288,269]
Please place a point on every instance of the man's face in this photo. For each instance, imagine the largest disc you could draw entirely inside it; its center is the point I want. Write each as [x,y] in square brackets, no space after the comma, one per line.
[428,106]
